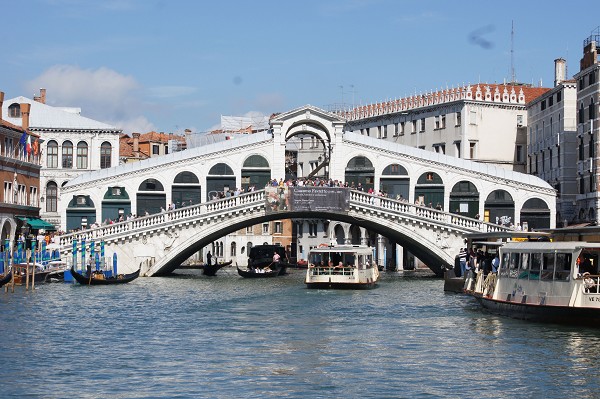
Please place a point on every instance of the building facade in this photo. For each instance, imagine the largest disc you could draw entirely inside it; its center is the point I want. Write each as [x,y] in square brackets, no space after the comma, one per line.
[20,175]
[588,97]
[70,145]
[484,123]
[552,142]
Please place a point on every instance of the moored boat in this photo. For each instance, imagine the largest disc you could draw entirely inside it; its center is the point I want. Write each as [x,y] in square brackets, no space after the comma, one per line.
[344,266]
[555,282]
[98,278]
[6,278]
[258,272]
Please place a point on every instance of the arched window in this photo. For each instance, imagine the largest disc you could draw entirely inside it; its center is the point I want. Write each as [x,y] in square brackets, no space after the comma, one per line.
[82,155]
[67,155]
[233,248]
[52,154]
[51,196]
[14,111]
[105,155]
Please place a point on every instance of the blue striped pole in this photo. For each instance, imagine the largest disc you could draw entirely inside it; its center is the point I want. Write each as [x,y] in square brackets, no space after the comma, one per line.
[74,254]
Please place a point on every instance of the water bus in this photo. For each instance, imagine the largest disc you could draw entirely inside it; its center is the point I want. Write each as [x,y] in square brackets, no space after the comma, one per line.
[556,282]
[485,245]
[341,266]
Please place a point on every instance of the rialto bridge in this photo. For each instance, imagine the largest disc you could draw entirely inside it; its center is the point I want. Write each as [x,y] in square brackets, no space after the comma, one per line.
[469,196]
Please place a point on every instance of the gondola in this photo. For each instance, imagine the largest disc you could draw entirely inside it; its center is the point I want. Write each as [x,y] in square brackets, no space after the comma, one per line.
[211,270]
[5,279]
[91,280]
[253,274]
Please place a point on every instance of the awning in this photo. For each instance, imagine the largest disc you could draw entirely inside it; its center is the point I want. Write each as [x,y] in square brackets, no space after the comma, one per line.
[37,223]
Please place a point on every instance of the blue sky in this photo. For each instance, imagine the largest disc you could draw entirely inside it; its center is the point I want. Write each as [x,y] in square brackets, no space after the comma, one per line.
[168,65]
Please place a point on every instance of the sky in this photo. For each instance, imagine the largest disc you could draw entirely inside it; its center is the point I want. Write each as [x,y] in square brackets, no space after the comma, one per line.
[170,65]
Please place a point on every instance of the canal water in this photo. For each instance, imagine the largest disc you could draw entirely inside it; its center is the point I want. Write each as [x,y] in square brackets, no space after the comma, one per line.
[191,336]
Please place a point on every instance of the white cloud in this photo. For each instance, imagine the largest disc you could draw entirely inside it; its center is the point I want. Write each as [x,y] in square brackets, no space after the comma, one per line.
[170,91]
[103,94]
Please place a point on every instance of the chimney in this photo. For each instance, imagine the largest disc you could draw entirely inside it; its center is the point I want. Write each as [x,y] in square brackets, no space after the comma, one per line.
[25,115]
[136,144]
[560,69]
[1,102]
[41,98]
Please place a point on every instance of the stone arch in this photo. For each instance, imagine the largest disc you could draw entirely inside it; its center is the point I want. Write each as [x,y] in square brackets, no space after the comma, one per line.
[591,214]
[219,180]
[338,234]
[255,172]
[150,197]
[499,208]
[9,227]
[395,181]
[81,212]
[186,189]
[464,199]
[360,170]
[535,214]
[429,190]
[116,203]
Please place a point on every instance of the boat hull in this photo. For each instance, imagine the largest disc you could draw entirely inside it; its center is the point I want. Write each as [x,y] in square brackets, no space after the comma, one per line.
[250,274]
[342,286]
[86,280]
[5,279]
[542,313]
[213,269]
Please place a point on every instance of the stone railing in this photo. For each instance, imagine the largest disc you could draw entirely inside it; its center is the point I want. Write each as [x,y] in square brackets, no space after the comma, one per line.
[358,199]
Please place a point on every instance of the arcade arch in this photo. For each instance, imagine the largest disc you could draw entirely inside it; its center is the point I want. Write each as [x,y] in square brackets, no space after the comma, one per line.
[220,179]
[255,172]
[429,190]
[395,181]
[499,208]
[186,190]
[535,214]
[115,204]
[361,172]
[81,212]
[151,197]
[464,199]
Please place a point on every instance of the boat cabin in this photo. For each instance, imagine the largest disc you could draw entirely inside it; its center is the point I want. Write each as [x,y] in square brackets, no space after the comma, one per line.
[545,273]
[347,256]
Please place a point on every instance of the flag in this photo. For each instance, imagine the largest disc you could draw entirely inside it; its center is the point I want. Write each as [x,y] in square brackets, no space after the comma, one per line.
[28,145]
[36,147]
[23,140]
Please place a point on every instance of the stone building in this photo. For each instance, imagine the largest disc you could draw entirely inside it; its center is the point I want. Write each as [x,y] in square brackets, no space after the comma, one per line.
[552,141]
[20,176]
[70,144]
[588,98]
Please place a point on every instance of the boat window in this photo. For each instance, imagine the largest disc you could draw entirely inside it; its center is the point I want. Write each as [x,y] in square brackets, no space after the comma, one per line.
[504,264]
[535,266]
[514,264]
[524,270]
[563,266]
[547,271]
[349,259]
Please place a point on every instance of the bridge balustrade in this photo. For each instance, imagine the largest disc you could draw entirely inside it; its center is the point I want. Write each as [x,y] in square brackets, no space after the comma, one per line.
[372,203]
[403,207]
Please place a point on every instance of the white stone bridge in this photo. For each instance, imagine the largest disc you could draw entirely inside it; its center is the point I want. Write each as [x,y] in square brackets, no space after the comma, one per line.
[467,193]
[160,243]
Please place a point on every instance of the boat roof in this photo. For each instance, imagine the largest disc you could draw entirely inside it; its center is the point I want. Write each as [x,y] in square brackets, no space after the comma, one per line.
[550,246]
[344,248]
[500,237]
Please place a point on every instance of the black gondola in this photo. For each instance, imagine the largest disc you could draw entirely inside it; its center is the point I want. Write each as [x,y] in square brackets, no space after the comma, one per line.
[211,270]
[5,279]
[92,280]
[254,274]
